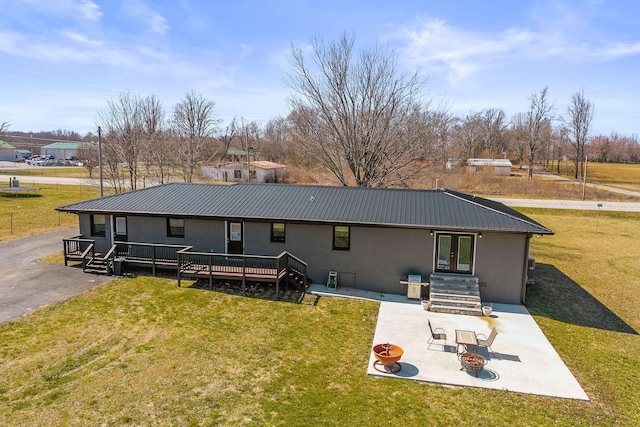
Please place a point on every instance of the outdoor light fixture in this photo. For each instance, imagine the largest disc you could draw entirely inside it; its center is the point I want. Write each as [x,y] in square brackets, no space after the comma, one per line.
[431,232]
[480,235]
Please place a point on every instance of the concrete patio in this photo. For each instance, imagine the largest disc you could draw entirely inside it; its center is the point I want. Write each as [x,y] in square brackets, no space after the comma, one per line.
[521,358]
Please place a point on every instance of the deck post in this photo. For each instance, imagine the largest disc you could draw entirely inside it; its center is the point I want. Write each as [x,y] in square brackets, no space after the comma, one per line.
[244,274]
[210,272]
[153,261]
[179,267]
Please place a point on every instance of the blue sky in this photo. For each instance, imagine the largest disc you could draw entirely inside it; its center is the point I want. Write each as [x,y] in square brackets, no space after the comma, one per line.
[60,61]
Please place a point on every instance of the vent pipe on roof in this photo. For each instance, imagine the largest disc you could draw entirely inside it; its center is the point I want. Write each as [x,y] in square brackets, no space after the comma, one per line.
[437,180]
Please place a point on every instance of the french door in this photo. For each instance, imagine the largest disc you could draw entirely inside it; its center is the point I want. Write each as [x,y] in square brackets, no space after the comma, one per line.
[454,253]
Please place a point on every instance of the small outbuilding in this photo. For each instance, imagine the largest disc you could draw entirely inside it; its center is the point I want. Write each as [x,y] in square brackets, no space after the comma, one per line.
[6,152]
[255,171]
[496,166]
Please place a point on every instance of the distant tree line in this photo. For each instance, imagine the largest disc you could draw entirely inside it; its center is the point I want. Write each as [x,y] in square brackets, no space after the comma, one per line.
[353,114]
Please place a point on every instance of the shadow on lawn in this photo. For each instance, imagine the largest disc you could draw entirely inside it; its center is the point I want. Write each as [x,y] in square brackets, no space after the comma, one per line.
[556,296]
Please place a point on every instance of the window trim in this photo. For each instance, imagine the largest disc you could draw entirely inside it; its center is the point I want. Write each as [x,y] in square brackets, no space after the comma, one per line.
[348,245]
[95,231]
[170,228]
[274,237]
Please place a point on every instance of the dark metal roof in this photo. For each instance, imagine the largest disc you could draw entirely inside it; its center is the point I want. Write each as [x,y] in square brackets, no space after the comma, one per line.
[433,209]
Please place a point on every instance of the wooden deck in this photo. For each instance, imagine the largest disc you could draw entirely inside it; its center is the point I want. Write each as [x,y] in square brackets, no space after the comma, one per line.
[282,269]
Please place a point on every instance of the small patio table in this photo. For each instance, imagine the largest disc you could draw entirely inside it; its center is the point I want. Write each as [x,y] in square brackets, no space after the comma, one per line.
[468,340]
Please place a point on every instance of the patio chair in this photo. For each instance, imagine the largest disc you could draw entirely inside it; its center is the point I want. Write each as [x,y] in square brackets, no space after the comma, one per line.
[483,341]
[436,335]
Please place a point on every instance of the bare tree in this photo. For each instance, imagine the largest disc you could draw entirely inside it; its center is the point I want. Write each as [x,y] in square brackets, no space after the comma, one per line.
[442,124]
[493,126]
[4,126]
[538,125]
[351,111]
[469,135]
[559,143]
[581,112]
[517,136]
[155,151]
[276,136]
[120,122]
[194,123]
[230,133]
[88,156]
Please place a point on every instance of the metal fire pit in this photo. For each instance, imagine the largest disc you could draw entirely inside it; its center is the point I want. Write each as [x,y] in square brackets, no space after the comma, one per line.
[388,356]
[472,363]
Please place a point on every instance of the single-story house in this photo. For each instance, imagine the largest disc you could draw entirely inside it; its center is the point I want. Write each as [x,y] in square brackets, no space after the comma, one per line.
[256,171]
[61,150]
[497,166]
[373,238]
[6,152]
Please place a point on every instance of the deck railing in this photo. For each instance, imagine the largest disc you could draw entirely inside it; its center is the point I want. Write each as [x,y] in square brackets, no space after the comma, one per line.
[155,255]
[192,264]
[78,249]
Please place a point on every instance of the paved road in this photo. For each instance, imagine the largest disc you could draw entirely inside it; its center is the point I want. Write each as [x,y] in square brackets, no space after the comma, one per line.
[524,203]
[27,284]
[569,204]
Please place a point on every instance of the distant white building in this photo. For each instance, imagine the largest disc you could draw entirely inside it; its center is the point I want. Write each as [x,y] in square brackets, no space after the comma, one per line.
[453,164]
[258,171]
[498,166]
[61,150]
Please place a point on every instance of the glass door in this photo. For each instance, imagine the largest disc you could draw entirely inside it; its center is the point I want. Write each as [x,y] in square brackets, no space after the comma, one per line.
[454,253]
[234,238]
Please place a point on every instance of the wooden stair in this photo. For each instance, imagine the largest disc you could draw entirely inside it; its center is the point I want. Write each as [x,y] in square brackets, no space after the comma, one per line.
[455,294]
[98,266]
[299,281]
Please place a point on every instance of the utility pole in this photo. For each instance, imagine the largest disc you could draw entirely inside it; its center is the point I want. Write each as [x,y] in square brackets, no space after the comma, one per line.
[100,160]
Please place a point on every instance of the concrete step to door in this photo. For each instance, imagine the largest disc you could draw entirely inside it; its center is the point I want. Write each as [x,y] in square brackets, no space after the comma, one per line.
[456,310]
[454,297]
[449,291]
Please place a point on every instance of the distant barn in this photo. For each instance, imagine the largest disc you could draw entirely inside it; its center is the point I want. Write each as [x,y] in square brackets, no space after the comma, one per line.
[496,166]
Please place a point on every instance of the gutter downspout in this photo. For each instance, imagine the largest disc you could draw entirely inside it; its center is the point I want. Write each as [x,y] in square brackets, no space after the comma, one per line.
[523,289]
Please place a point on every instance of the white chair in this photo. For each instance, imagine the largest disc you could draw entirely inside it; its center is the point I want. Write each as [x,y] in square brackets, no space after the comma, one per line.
[436,335]
[483,341]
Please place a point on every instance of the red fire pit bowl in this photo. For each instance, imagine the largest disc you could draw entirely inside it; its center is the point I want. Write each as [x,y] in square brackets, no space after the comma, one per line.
[388,356]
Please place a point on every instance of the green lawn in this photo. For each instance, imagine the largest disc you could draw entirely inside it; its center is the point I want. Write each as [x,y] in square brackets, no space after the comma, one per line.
[34,213]
[624,176]
[57,171]
[142,351]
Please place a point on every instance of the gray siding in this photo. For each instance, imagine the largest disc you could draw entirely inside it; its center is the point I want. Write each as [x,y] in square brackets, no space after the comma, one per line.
[102,244]
[499,266]
[378,258]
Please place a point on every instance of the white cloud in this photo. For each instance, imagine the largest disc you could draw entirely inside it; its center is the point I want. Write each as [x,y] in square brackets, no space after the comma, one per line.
[458,53]
[83,9]
[152,19]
